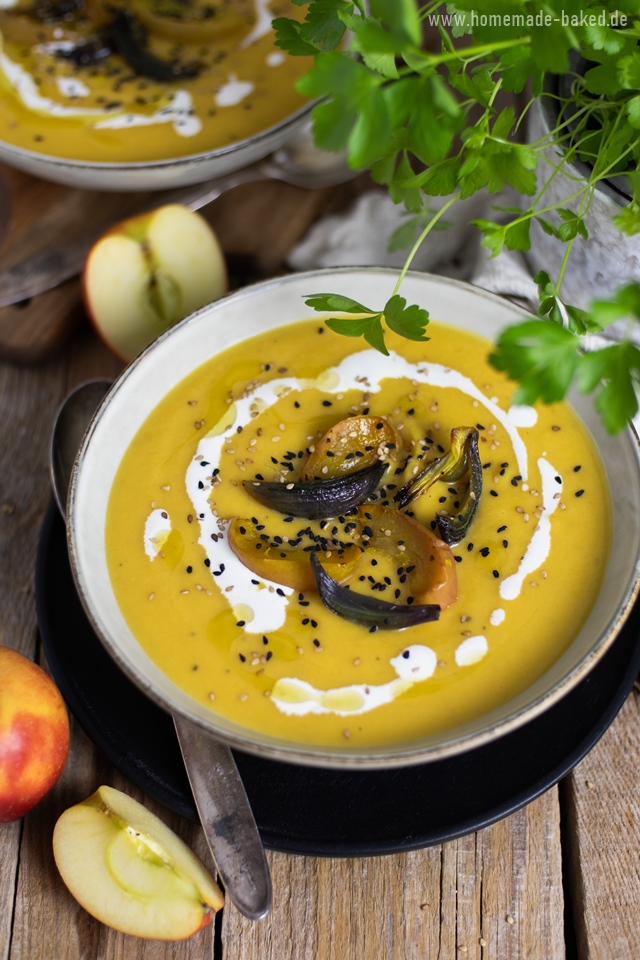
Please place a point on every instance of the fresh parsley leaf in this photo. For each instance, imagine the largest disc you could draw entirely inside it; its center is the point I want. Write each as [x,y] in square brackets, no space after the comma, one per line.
[336,301]
[410,322]
[614,372]
[633,112]
[287,36]
[370,328]
[628,220]
[323,25]
[624,304]
[572,225]
[370,134]
[542,356]
[516,235]
[403,15]
[493,235]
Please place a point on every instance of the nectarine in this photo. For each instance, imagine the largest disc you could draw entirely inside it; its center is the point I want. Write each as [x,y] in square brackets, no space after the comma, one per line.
[34,734]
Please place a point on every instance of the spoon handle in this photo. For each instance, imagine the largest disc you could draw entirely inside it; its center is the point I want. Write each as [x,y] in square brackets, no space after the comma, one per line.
[227,819]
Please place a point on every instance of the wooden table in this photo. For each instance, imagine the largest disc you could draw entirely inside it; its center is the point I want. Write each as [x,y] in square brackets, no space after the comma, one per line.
[558,879]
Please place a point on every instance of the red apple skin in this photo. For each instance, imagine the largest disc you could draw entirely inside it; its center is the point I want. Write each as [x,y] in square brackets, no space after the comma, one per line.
[34,734]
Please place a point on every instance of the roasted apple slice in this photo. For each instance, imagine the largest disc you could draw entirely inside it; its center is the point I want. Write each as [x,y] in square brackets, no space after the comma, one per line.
[130,871]
[352,444]
[289,566]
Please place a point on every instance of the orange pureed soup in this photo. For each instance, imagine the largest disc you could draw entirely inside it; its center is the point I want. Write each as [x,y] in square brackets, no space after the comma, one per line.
[147,80]
[218,586]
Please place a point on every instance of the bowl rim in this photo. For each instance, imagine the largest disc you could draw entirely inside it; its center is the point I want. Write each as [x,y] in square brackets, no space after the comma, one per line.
[262,138]
[394,755]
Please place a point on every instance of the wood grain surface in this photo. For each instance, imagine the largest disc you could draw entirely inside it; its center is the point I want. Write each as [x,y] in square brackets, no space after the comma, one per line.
[257,224]
[499,894]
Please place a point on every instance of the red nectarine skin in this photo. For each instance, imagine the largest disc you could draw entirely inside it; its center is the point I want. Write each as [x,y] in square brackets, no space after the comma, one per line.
[34,734]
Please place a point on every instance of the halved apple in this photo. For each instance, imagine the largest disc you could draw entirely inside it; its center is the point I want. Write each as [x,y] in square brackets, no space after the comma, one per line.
[130,871]
[149,272]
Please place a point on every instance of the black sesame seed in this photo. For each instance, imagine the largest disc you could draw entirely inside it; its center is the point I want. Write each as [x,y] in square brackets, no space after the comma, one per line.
[406,654]
[189,569]
[269,655]
[579,493]
[577,469]
[493,493]
[316,642]
[240,623]
[500,529]
[496,574]
[242,657]
[327,403]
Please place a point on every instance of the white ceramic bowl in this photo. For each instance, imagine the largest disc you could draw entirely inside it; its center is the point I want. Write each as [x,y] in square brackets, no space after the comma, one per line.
[241,315]
[159,174]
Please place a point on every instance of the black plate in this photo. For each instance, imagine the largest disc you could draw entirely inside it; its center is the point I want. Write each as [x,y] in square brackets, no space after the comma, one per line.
[323,812]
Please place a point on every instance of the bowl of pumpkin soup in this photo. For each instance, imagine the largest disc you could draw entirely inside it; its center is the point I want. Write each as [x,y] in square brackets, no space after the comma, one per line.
[331,556]
[145,95]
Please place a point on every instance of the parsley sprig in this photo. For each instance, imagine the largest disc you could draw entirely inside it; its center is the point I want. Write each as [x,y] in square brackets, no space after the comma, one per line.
[424,118]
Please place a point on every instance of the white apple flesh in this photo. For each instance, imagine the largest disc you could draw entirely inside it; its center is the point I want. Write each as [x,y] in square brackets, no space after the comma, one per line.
[130,871]
[149,272]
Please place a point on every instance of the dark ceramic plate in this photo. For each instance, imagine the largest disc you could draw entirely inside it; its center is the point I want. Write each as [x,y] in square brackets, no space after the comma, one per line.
[323,812]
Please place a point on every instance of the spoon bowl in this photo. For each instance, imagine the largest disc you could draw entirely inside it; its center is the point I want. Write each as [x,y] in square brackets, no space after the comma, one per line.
[221,800]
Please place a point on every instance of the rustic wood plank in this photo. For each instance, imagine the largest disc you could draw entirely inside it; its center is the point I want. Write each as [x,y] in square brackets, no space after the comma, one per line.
[457,900]
[26,414]
[48,921]
[603,812]
[258,223]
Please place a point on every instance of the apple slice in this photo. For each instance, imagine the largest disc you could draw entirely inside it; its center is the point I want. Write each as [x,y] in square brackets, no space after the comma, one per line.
[149,272]
[130,871]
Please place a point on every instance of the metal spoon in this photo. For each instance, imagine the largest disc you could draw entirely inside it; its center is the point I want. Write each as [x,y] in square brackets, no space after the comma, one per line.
[298,162]
[222,803]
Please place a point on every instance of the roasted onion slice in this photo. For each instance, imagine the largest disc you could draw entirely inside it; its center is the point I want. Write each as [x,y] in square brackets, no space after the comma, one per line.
[366,610]
[317,499]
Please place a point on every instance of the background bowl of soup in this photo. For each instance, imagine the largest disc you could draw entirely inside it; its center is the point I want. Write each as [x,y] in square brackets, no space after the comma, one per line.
[242,392]
[121,96]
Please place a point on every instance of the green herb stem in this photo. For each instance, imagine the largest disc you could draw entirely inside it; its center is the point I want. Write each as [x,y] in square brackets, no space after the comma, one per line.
[427,230]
